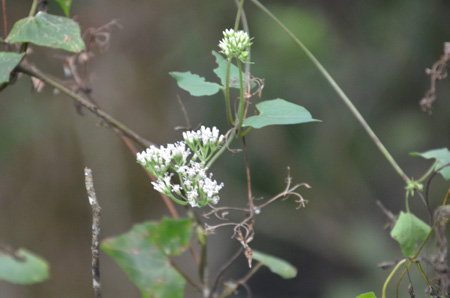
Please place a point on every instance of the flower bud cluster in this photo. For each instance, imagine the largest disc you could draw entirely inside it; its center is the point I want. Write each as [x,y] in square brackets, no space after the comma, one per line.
[235,44]
[195,186]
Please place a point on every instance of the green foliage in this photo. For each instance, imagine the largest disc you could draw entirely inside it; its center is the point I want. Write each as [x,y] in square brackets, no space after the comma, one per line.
[221,71]
[144,252]
[24,268]
[65,5]
[276,265]
[49,31]
[367,295]
[408,230]
[442,157]
[278,111]
[194,84]
[8,61]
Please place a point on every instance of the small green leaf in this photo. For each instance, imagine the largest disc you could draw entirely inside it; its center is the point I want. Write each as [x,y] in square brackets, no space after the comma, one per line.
[48,31]
[408,230]
[23,268]
[367,295]
[277,112]
[221,72]
[65,5]
[143,253]
[442,157]
[276,265]
[8,61]
[194,84]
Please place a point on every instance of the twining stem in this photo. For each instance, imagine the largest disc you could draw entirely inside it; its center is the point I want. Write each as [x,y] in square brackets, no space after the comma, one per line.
[33,8]
[388,279]
[238,17]
[241,95]
[90,106]
[5,19]
[230,139]
[227,94]
[339,91]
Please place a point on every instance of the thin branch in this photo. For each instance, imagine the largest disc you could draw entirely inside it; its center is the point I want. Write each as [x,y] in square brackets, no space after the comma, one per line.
[5,19]
[116,125]
[185,276]
[96,213]
[223,269]
[339,91]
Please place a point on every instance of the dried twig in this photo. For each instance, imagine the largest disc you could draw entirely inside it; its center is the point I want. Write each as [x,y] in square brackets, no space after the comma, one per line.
[96,212]
[437,72]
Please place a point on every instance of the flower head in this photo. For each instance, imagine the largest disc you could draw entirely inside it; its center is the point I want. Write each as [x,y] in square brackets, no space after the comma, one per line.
[235,44]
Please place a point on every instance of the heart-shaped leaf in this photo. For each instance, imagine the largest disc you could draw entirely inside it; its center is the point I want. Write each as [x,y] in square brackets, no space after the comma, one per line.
[276,265]
[221,72]
[278,112]
[194,84]
[23,267]
[65,5]
[143,253]
[8,61]
[442,157]
[408,230]
[49,31]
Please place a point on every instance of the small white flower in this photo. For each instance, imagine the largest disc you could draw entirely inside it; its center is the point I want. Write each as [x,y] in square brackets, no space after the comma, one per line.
[235,44]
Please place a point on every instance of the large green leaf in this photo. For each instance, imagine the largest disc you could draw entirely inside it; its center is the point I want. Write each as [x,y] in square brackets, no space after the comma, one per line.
[65,5]
[194,84]
[221,72]
[442,157]
[278,112]
[276,265]
[367,295]
[143,253]
[49,31]
[408,230]
[23,267]
[8,61]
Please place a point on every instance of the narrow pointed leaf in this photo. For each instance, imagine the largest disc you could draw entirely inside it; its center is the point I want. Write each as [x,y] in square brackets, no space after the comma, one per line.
[8,61]
[409,230]
[49,31]
[194,84]
[276,265]
[278,112]
[221,72]
[367,295]
[442,157]
[65,5]
[143,253]
[23,268]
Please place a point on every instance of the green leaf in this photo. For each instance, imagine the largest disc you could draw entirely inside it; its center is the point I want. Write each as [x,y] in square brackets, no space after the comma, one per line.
[194,84]
[23,268]
[367,295]
[48,31]
[143,253]
[65,5]
[221,72]
[276,265]
[408,230]
[277,112]
[8,61]
[442,157]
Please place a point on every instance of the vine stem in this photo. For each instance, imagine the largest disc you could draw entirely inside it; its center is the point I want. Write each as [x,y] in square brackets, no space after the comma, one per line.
[383,294]
[115,124]
[339,91]
[5,20]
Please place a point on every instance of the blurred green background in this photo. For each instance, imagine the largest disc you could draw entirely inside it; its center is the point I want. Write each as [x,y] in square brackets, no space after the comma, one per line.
[376,50]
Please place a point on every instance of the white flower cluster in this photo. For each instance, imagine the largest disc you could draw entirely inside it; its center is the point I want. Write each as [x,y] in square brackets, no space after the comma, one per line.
[235,44]
[195,186]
